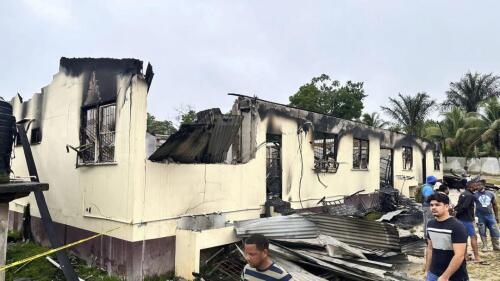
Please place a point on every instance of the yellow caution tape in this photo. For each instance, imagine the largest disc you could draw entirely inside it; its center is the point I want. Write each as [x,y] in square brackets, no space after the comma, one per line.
[51,251]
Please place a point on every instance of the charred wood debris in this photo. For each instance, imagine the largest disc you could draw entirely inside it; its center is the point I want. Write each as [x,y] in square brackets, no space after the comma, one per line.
[338,240]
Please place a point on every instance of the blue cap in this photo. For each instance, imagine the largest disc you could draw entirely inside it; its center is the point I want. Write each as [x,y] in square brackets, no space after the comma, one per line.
[431,180]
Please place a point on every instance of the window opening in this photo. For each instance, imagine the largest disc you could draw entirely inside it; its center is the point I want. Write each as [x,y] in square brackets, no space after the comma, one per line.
[98,134]
[273,166]
[36,136]
[360,154]
[325,153]
[437,160]
[407,158]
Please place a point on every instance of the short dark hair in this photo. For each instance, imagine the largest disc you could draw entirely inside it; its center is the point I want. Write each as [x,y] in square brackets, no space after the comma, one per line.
[259,240]
[440,197]
[443,188]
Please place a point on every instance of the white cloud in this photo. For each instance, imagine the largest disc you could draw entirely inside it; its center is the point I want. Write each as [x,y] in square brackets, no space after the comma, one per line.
[55,11]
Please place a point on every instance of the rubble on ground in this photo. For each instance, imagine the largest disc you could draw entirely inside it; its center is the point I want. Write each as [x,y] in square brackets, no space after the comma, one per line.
[327,246]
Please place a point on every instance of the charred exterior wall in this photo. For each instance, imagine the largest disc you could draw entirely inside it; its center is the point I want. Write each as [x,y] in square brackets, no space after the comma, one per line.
[93,197]
[298,127]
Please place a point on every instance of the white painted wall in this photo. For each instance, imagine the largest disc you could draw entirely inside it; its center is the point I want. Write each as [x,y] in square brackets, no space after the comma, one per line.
[106,189]
[485,165]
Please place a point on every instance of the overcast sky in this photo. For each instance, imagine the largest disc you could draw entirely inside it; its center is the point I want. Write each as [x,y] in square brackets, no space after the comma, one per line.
[202,50]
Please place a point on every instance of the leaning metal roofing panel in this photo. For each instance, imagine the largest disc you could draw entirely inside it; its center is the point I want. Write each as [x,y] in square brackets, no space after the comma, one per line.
[200,142]
[222,135]
[358,232]
[293,226]
[186,145]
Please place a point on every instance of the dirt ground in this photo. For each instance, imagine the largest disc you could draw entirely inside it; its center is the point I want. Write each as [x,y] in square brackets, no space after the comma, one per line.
[477,272]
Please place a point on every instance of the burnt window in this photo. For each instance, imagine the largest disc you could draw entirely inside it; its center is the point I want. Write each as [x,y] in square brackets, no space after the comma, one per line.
[360,150]
[437,160]
[407,158]
[36,136]
[273,166]
[98,134]
[325,153]
[18,140]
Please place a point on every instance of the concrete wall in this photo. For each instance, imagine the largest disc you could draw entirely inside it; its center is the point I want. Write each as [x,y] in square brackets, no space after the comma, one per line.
[344,182]
[485,165]
[92,197]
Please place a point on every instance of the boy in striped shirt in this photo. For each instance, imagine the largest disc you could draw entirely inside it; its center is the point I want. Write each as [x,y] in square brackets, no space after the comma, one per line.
[260,267]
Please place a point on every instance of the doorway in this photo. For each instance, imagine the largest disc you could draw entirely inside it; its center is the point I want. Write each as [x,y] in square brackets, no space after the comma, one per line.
[274,188]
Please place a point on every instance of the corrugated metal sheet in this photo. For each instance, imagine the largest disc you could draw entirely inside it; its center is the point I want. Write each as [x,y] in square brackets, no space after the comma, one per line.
[222,135]
[185,146]
[297,272]
[358,232]
[283,227]
[200,142]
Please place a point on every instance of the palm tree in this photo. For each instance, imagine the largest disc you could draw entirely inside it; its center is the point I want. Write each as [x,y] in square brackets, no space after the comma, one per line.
[453,131]
[410,111]
[373,120]
[472,90]
[483,129]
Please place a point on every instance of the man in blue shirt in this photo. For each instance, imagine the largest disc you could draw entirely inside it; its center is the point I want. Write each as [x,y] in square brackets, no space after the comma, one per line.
[427,190]
[487,214]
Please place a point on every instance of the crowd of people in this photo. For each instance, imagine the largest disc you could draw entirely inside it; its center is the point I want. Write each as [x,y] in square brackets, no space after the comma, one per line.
[448,227]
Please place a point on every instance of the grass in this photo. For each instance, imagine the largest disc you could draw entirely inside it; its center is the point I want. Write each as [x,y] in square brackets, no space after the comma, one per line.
[494,181]
[41,269]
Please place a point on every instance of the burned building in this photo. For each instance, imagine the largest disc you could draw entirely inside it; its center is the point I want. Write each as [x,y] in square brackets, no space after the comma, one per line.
[88,132]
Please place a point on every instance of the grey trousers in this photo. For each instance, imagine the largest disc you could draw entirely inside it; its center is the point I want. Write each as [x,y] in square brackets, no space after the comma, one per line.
[427,214]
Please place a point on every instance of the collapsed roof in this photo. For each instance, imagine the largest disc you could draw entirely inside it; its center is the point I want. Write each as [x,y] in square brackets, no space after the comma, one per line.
[206,141]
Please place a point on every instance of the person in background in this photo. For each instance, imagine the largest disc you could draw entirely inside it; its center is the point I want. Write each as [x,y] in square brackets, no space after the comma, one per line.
[446,243]
[260,267]
[443,188]
[465,213]
[427,190]
[487,214]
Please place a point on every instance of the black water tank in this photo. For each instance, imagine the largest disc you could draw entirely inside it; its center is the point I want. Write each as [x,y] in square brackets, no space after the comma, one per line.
[7,135]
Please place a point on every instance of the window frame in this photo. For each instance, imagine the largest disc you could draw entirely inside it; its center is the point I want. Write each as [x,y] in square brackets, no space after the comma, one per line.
[405,160]
[436,155]
[327,145]
[36,136]
[99,133]
[359,154]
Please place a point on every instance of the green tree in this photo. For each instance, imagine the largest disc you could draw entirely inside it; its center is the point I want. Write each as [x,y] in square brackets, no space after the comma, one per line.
[436,131]
[186,114]
[472,90]
[373,120]
[328,96]
[157,127]
[470,134]
[482,130]
[410,111]
[452,128]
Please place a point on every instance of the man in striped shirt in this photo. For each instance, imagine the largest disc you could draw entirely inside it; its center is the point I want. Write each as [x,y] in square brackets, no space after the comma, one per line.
[447,240]
[260,267]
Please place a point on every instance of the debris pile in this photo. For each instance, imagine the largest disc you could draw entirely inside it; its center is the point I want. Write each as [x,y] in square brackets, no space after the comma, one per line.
[321,247]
